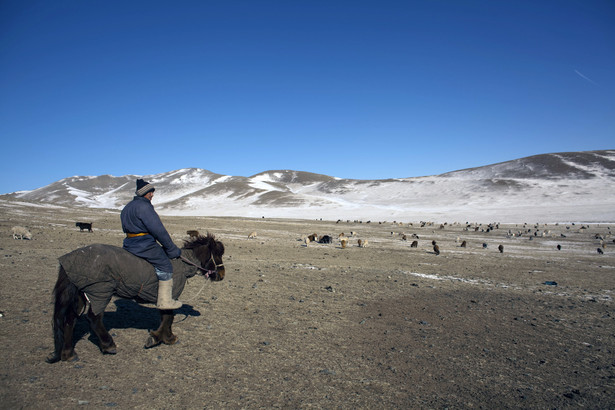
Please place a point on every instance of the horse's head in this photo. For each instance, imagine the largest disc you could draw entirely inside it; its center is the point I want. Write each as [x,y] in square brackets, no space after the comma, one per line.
[209,252]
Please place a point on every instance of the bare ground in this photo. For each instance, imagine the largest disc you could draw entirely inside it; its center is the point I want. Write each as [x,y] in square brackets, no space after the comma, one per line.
[300,326]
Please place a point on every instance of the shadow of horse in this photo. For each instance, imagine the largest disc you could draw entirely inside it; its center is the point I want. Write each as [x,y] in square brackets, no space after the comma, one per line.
[128,315]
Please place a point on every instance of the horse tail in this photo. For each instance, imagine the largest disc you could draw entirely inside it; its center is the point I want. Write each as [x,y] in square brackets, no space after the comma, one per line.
[66,309]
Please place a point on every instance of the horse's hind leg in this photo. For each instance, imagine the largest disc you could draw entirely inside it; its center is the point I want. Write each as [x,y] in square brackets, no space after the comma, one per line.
[106,343]
[163,334]
[68,307]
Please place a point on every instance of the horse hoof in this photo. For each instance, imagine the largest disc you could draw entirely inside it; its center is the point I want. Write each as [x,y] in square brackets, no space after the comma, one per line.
[52,358]
[151,342]
[171,341]
[72,358]
[110,350]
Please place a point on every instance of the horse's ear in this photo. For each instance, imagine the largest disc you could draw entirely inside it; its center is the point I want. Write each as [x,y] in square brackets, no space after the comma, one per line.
[219,246]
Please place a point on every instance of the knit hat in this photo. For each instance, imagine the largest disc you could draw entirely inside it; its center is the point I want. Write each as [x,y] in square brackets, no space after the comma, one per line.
[143,187]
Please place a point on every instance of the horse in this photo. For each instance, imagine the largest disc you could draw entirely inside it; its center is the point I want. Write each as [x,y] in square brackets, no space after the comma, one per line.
[88,277]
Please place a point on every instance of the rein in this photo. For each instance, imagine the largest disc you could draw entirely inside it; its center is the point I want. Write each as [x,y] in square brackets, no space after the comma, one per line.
[206,272]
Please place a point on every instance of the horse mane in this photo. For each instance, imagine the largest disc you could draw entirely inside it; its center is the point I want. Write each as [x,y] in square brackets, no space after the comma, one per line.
[201,242]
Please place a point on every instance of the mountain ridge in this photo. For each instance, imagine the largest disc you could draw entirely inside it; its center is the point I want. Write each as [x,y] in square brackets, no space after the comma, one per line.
[570,183]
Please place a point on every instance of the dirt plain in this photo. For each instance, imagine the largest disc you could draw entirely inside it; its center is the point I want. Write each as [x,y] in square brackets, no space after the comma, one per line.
[318,326]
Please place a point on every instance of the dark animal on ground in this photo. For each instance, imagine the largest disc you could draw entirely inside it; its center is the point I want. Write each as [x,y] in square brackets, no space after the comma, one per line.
[484,246]
[325,239]
[463,244]
[436,249]
[600,251]
[433,243]
[84,225]
[414,244]
[501,248]
[559,247]
[88,277]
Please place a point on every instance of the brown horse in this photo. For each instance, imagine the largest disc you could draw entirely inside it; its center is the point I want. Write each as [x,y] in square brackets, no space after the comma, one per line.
[90,276]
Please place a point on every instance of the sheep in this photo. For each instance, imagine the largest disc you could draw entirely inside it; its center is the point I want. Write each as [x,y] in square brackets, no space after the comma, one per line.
[343,242]
[19,232]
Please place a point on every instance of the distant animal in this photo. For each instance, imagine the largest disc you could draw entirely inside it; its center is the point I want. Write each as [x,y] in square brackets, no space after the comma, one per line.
[600,252]
[344,242]
[313,237]
[501,248]
[84,225]
[252,235]
[559,247]
[404,237]
[353,234]
[484,246]
[362,243]
[325,239]
[19,232]
[463,244]
[89,277]
[192,233]
[433,243]
[436,249]
[414,244]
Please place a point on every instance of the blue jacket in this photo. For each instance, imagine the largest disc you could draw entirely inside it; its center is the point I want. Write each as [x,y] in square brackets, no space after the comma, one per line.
[139,216]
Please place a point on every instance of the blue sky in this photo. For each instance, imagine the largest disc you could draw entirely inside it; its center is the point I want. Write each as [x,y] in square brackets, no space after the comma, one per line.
[353,89]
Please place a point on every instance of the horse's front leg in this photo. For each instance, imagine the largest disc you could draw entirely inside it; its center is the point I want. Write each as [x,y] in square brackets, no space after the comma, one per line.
[163,334]
[106,343]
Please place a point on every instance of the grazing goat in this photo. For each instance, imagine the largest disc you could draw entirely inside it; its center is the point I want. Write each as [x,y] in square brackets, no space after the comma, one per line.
[600,252]
[436,249]
[84,225]
[414,244]
[313,237]
[343,242]
[501,248]
[252,235]
[463,244]
[325,239]
[19,232]
[362,243]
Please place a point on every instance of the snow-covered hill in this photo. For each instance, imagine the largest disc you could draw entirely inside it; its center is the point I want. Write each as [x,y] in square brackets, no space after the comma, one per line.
[561,187]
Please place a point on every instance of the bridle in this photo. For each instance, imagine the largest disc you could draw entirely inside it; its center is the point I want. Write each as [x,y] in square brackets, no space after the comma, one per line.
[206,272]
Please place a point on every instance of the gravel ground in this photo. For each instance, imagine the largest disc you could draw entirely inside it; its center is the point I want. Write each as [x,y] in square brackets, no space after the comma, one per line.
[299,326]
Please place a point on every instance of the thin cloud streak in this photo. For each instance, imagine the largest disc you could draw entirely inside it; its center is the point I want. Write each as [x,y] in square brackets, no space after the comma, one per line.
[584,77]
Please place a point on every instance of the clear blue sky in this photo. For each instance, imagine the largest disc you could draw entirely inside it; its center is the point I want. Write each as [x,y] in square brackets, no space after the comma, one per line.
[354,89]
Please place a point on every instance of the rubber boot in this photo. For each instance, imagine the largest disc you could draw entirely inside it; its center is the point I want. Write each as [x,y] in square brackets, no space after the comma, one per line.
[165,296]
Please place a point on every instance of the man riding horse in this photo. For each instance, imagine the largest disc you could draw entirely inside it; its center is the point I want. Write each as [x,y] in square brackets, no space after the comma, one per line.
[144,231]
